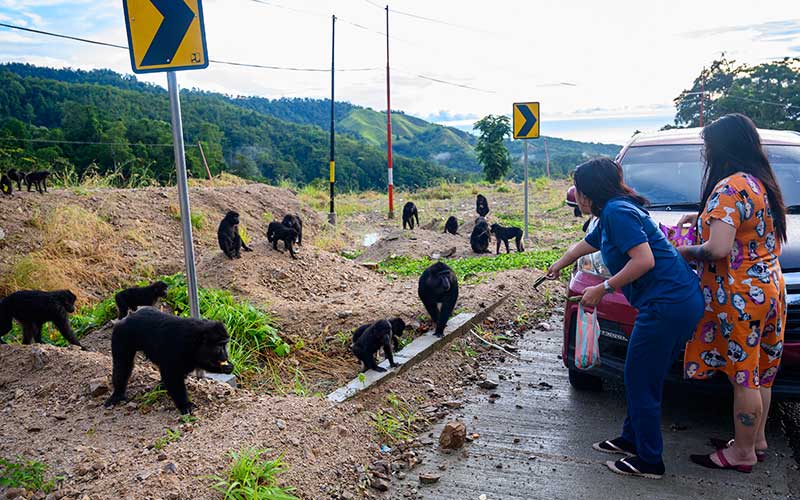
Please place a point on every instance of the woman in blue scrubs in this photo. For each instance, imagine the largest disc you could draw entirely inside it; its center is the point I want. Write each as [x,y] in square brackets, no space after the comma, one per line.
[657,281]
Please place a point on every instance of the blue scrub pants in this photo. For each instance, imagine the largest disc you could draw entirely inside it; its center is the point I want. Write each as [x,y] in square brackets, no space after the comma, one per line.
[659,333]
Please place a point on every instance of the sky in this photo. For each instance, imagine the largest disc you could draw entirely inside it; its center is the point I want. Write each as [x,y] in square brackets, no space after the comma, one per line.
[600,70]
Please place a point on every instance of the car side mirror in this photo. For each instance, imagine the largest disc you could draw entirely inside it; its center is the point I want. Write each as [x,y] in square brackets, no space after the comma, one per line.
[572,201]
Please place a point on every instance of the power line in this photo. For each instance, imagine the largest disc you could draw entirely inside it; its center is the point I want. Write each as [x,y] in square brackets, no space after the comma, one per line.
[215,61]
[431,19]
[748,99]
[445,82]
[89,143]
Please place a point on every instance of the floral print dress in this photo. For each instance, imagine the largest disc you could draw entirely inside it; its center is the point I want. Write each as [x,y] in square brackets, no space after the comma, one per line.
[741,333]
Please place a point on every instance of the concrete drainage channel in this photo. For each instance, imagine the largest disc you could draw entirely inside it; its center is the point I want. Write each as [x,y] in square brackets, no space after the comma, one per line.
[413,353]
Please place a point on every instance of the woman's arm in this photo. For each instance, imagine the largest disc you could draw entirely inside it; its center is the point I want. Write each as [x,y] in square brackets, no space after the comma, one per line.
[575,252]
[641,261]
[717,247]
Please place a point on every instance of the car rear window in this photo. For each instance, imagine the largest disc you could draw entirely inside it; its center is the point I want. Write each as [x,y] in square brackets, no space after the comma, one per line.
[672,174]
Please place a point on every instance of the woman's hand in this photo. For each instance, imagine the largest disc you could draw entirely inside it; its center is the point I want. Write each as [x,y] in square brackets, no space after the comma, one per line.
[554,271]
[593,295]
[688,219]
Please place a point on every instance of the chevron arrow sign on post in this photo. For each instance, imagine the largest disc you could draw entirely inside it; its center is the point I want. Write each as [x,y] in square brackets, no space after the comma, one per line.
[526,120]
[165,35]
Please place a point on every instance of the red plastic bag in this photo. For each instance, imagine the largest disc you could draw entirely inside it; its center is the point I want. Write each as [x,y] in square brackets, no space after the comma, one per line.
[587,335]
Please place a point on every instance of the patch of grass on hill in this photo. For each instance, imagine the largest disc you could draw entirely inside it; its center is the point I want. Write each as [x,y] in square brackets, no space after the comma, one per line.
[251,476]
[28,474]
[470,266]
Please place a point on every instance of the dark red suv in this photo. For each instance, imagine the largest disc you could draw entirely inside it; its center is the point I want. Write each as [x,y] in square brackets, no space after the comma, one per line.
[666,168]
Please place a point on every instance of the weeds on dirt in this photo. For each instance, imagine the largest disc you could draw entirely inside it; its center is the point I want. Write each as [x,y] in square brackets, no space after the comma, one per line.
[26,474]
[537,259]
[197,219]
[397,422]
[140,176]
[224,179]
[170,436]
[253,332]
[251,477]
[150,398]
[462,346]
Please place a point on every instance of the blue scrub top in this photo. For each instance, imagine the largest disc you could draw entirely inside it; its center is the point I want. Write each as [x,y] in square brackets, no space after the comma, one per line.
[623,225]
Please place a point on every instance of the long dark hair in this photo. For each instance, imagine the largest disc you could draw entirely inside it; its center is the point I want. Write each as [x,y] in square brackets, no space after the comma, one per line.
[732,145]
[600,179]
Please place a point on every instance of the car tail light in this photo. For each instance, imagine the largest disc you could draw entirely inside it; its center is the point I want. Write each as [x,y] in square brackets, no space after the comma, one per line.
[593,264]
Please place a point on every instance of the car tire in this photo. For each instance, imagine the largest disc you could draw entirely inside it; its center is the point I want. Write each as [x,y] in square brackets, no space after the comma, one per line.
[584,382]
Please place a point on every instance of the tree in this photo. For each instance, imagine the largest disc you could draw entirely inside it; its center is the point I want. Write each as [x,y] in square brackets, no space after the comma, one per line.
[768,93]
[491,150]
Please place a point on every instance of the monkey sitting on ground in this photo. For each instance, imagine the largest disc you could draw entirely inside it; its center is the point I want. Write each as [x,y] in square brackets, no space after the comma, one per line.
[482,205]
[480,238]
[228,236]
[438,285]
[6,186]
[294,222]
[451,226]
[135,297]
[38,179]
[503,234]
[367,339]
[16,176]
[409,214]
[33,308]
[177,346]
[278,232]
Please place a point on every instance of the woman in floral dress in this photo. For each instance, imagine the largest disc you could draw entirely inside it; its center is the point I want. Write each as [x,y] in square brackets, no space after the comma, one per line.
[741,228]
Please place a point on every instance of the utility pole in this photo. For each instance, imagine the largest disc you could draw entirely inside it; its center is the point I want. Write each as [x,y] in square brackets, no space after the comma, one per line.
[526,190]
[389,121]
[546,158]
[332,214]
[702,96]
[205,162]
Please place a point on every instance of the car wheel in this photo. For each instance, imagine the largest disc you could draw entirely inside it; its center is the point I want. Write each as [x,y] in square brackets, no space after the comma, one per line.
[584,382]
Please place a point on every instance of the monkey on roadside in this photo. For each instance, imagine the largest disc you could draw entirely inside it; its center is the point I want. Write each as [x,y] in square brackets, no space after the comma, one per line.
[230,242]
[37,179]
[482,205]
[480,238]
[6,186]
[409,214]
[33,308]
[451,226]
[503,234]
[294,222]
[16,176]
[368,339]
[132,298]
[278,232]
[438,290]
[177,346]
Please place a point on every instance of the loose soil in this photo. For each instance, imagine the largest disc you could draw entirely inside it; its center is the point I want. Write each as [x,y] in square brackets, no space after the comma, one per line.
[108,453]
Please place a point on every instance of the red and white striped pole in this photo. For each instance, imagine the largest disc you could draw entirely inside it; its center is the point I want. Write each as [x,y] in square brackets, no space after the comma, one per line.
[389,121]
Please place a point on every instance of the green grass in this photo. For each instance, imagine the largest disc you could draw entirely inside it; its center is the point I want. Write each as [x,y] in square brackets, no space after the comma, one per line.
[28,474]
[397,422]
[252,477]
[152,397]
[253,332]
[513,220]
[169,437]
[470,266]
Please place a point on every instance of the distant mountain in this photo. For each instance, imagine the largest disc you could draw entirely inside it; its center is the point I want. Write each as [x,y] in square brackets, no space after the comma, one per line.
[270,138]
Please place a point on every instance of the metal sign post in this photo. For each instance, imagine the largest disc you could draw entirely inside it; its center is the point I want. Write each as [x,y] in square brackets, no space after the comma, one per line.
[183,192]
[526,126]
[526,190]
[332,214]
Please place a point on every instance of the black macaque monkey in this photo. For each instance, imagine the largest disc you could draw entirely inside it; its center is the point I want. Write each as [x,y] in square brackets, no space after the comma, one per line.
[16,176]
[438,285]
[368,339]
[37,179]
[482,205]
[503,234]
[6,186]
[451,226]
[132,298]
[480,237]
[176,345]
[230,242]
[409,214]
[278,232]
[33,308]
[294,222]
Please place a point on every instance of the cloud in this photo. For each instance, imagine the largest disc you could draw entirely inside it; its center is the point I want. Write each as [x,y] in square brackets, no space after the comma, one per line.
[447,116]
[768,31]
